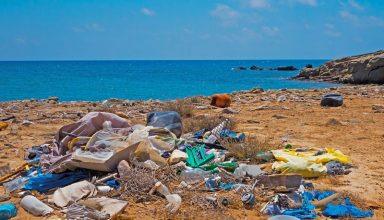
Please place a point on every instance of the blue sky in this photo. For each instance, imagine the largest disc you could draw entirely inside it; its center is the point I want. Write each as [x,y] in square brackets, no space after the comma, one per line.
[189,29]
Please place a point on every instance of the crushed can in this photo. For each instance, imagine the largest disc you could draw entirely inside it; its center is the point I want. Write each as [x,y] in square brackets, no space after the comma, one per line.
[248,200]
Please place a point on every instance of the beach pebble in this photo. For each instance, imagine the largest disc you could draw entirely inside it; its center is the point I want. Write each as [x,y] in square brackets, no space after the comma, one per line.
[26,123]
[230,111]
[281,98]
[378,108]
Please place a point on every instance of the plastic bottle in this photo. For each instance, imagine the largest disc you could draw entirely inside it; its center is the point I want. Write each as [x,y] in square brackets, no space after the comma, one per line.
[192,176]
[35,206]
[15,184]
[216,132]
[7,211]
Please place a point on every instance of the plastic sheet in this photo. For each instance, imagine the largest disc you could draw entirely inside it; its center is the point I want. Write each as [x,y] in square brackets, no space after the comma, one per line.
[170,120]
[309,163]
[346,210]
[44,182]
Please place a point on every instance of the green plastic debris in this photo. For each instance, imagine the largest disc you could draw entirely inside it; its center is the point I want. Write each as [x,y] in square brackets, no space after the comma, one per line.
[197,156]
[228,166]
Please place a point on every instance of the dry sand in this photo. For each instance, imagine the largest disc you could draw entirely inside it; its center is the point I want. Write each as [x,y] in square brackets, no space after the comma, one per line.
[299,120]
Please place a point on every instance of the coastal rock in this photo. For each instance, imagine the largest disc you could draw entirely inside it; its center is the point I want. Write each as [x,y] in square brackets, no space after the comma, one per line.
[254,68]
[365,68]
[286,68]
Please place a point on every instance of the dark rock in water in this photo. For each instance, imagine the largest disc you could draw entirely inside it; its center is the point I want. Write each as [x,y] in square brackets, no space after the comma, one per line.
[332,100]
[286,68]
[239,68]
[255,68]
[280,68]
[360,69]
[309,66]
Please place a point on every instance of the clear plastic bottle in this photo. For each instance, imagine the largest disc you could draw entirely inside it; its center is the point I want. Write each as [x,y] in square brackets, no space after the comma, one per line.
[196,175]
[15,184]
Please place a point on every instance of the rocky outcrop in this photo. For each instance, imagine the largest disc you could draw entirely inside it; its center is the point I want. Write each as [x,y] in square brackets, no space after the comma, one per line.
[360,69]
[280,68]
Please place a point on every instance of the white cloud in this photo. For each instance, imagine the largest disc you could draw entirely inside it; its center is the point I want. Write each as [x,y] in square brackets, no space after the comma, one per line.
[330,30]
[258,3]
[20,41]
[147,12]
[271,31]
[226,14]
[371,21]
[355,5]
[305,2]
[90,27]
[346,15]
[375,21]
[329,26]
[94,27]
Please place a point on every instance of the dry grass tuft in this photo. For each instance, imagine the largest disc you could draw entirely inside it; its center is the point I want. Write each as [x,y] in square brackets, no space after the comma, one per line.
[355,199]
[248,149]
[194,99]
[181,106]
[204,121]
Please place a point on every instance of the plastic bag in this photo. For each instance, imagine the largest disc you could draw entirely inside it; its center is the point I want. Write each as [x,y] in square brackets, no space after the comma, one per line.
[170,120]
[308,163]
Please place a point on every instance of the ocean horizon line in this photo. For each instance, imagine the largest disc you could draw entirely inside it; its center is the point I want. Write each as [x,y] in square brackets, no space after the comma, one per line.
[166,60]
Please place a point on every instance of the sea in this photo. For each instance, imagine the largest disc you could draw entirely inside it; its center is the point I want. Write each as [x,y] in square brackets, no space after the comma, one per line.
[143,80]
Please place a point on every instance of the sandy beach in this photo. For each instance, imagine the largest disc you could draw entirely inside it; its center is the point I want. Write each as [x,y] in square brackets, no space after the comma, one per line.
[277,117]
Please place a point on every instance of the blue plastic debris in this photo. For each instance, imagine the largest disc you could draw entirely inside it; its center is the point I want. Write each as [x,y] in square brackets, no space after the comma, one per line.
[44,182]
[113,183]
[346,210]
[7,211]
[232,136]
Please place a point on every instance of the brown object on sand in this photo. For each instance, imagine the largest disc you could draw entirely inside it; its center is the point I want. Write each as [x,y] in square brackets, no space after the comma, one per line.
[221,100]
[322,203]
[3,125]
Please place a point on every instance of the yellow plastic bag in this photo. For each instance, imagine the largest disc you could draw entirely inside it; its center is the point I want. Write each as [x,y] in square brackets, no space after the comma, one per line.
[305,163]
[302,167]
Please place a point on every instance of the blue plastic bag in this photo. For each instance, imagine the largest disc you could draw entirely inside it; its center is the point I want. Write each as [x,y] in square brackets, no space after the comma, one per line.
[44,182]
[346,210]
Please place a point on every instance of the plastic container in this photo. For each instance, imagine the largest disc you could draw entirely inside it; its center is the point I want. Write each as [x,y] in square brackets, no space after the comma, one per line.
[7,211]
[192,176]
[34,206]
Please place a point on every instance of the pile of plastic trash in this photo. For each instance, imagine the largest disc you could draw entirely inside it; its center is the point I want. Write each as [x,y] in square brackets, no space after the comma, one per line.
[102,155]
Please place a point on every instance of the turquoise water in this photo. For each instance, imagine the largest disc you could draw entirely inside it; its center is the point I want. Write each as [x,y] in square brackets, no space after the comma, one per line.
[100,80]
